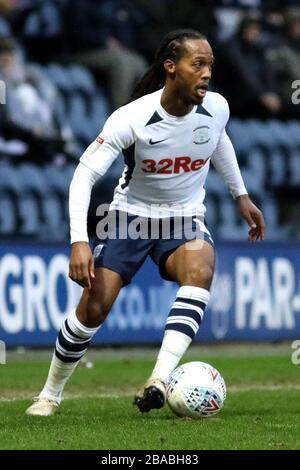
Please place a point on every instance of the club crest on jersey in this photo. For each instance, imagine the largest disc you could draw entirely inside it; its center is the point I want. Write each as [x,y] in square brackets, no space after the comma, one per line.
[201,135]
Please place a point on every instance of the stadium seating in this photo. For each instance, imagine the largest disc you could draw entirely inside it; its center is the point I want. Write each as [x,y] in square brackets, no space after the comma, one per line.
[82,106]
[8,194]
[45,20]
[82,80]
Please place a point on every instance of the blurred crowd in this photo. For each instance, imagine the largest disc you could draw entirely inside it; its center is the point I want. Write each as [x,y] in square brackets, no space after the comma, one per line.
[66,64]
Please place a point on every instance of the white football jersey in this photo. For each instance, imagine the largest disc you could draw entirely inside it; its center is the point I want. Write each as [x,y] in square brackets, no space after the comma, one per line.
[166,157]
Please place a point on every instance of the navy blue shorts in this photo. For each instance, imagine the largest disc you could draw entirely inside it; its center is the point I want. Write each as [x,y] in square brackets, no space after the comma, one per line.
[124,243]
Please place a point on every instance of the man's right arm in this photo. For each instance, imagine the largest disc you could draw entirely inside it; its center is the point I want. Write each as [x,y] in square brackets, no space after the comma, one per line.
[94,163]
[79,200]
[81,261]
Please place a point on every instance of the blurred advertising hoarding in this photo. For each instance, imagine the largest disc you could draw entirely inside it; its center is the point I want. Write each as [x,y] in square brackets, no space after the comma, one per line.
[255,296]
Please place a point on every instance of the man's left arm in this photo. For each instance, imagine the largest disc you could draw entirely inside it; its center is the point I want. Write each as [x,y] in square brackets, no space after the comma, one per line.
[225,162]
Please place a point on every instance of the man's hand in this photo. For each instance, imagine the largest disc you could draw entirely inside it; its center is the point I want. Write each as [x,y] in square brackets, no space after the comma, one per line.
[272,102]
[253,217]
[82,264]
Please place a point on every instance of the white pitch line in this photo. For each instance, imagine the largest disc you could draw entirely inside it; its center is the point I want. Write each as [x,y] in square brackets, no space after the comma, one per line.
[70,397]
[232,389]
[261,387]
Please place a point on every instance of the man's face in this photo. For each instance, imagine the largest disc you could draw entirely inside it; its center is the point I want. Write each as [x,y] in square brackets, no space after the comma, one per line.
[252,33]
[7,63]
[191,74]
[295,29]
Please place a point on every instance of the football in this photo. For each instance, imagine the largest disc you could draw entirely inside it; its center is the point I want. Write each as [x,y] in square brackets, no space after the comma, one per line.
[196,390]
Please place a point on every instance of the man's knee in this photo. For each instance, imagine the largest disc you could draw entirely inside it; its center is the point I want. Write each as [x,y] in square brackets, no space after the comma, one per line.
[92,311]
[96,312]
[199,276]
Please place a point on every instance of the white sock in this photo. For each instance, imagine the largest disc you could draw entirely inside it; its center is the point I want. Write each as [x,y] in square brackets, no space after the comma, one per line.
[58,375]
[172,349]
[71,345]
[182,324]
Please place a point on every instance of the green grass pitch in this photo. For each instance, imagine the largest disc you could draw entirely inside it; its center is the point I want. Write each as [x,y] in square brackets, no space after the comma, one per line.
[261,411]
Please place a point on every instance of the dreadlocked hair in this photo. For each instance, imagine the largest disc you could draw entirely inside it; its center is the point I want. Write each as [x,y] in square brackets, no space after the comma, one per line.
[171,47]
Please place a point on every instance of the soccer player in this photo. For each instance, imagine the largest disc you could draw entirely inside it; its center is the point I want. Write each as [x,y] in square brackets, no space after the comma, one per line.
[168,134]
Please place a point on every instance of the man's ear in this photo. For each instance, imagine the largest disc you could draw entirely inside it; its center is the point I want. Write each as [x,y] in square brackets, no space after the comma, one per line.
[169,66]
